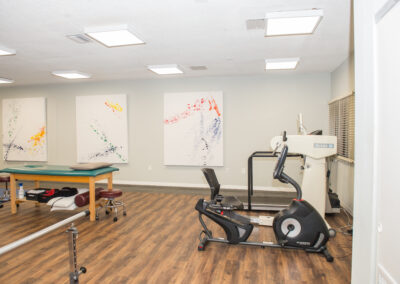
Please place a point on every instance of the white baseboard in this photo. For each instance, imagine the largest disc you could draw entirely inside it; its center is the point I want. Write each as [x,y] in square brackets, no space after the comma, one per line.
[194,185]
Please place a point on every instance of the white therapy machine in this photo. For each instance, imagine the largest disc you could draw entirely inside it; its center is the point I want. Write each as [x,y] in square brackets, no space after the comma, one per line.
[315,149]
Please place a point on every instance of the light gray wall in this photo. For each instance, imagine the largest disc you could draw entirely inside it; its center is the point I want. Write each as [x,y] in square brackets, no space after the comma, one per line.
[342,173]
[364,227]
[256,108]
[342,79]
[387,138]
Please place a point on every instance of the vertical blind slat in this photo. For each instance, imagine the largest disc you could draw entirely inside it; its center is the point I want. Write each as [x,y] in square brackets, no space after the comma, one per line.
[341,125]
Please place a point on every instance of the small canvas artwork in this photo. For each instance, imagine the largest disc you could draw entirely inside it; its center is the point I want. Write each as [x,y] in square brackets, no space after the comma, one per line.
[24,129]
[193,133]
[102,128]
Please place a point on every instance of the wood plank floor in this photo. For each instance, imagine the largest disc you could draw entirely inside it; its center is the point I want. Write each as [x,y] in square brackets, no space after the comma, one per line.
[157,243]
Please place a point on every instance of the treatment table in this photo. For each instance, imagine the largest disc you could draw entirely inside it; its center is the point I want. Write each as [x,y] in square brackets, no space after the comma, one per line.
[54,173]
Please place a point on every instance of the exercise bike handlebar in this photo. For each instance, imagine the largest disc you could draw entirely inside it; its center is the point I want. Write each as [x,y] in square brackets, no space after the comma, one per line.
[281,176]
[284,138]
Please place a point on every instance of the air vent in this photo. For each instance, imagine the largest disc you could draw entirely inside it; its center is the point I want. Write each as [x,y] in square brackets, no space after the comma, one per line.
[198,68]
[79,38]
[255,24]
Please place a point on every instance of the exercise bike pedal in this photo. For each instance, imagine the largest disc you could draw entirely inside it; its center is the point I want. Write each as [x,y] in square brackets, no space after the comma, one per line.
[202,244]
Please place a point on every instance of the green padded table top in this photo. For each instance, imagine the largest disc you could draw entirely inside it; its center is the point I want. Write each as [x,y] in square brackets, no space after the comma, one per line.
[53,170]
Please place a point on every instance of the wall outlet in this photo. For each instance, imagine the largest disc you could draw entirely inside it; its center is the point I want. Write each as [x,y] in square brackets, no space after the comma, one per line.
[226,169]
[243,171]
[149,168]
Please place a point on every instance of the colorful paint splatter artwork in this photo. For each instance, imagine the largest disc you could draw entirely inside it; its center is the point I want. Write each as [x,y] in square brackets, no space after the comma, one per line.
[109,147]
[114,107]
[201,105]
[193,132]
[24,129]
[102,129]
[37,140]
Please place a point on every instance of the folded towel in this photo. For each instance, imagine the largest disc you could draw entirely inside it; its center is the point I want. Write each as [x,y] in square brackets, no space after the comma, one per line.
[65,203]
[73,202]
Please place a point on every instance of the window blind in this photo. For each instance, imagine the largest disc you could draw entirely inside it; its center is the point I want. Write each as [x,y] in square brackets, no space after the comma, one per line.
[341,125]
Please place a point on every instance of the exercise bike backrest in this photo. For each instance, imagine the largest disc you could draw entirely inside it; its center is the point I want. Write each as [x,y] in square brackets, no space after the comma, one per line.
[279,167]
[281,176]
[212,181]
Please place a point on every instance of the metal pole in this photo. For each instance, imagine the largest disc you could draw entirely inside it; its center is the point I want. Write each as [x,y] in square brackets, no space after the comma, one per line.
[73,274]
[249,181]
[42,232]
[73,262]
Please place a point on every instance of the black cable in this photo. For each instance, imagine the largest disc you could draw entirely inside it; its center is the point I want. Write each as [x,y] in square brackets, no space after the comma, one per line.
[201,233]
[348,225]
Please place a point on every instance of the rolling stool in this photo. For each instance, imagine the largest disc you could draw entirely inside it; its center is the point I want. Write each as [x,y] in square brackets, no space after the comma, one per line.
[5,177]
[111,203]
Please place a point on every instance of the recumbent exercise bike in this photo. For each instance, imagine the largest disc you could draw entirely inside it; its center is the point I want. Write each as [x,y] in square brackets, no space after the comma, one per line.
[299,226]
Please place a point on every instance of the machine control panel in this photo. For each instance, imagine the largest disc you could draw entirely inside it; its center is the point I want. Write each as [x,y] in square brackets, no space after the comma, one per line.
[314,146]
[324,145]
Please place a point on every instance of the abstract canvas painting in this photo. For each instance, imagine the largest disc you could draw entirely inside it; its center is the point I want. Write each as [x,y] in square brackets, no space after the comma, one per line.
[24,129]
[193,133]
[102,128]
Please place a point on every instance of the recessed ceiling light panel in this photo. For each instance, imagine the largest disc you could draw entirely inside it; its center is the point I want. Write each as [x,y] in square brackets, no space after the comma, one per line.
[6,51]
[71,74]
[113,36]
[6,81]
[169,69]
[281,63]
[292,22]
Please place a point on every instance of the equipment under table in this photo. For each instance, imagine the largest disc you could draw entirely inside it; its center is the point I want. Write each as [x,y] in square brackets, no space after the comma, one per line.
[54,173]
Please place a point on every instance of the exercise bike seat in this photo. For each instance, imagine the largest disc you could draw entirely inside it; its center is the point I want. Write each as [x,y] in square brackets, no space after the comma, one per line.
[232,201]
[229,201]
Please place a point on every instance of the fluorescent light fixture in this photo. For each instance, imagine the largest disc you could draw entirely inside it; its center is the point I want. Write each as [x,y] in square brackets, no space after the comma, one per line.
[281,63]
[6,81]
[6,51]
[113,36]
[71,74]
[165,69]
[292,22]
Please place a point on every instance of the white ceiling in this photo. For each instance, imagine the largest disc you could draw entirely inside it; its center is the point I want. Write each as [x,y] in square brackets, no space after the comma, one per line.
[213,33]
